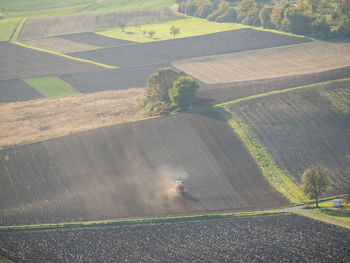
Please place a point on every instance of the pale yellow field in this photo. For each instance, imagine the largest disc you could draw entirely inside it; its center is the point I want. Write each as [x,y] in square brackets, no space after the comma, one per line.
[23,122]
[291,60]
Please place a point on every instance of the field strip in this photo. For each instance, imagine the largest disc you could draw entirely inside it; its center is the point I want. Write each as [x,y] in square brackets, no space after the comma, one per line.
[17,30]
[277,178]
[65,56]
[321,218]
[138,221]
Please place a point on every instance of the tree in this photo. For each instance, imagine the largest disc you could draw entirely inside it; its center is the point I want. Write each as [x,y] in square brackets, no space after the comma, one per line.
[122,25]
[315,182]
[277,16]
[264,17]
[244,8]
[343,27]
[151,33]
[174,30]
[183,92]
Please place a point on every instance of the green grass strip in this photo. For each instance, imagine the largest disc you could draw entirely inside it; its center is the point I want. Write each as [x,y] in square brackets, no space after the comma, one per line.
[340,215]
[63,55]
[50,87]
[137,221]
[320,219]
[276,177]
[5,260]
[17,30]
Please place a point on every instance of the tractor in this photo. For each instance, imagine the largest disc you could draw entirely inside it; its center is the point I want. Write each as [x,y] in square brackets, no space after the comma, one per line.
[179,185]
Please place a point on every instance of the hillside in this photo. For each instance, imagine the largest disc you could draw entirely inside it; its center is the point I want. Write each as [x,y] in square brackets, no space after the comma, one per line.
[129,170]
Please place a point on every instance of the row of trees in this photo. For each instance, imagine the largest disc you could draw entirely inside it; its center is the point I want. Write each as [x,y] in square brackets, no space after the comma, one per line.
[167,90]
[320,18]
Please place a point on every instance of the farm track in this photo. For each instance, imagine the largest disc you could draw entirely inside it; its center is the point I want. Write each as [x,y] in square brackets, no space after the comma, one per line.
[292,60]
[274,238]
[129,170]
[304,127]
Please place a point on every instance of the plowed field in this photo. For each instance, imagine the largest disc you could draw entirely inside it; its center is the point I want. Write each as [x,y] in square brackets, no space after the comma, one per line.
[171,50]
[17,90]
[129,170]
[279,238]
[18,62]
[305,127]
[292,60]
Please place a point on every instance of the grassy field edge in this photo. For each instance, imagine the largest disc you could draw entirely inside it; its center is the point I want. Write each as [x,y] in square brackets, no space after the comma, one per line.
[320,219]
[136,221]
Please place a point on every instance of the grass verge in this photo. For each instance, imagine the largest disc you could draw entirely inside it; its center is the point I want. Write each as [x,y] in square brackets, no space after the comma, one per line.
[50,87]
[276,177]
[189,27]
[7,28]
[137,221]
[341,215]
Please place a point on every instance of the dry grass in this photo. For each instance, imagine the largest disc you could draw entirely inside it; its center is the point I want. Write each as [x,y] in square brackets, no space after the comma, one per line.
[23,122]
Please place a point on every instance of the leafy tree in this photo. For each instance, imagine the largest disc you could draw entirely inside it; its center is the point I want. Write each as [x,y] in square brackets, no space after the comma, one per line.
[191,8]
[252,19]
[343,28]
[183,92]
[344,7]
[315,182]
[264,17]
[174,30]
[296,22]
[205,10]
[277,16]
[244,8]
[151,33]
[230,15]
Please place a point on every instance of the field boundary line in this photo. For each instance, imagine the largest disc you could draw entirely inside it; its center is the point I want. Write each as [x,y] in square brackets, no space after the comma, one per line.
[63,55]
[17,30]
[322,219]
[138,221]
[276,177]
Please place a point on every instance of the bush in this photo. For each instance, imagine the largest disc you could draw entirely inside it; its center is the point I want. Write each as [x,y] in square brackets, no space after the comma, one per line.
[183,92]
[229,16]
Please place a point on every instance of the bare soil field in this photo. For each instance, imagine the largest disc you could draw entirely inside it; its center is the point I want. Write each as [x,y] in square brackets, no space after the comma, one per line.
[32,63]
[304,127]
[116,79]
[224,92]
[129,170]
[23,122]
[277,238]
[17,90]
[68,24]
[276,62]
[170,50]
[96,40]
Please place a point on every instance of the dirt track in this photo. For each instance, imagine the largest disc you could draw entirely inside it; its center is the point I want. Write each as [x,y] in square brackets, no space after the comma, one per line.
[129,170]
[268,63]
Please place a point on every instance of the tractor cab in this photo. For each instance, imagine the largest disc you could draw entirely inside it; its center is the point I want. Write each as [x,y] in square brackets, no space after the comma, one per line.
[180,186]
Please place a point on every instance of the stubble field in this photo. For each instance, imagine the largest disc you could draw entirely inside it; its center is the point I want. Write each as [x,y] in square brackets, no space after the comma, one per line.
[277,238]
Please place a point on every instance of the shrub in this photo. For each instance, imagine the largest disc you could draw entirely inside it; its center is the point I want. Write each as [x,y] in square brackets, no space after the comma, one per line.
[183,92]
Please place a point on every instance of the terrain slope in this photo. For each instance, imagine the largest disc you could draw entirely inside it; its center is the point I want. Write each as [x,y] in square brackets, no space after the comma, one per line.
[129,170]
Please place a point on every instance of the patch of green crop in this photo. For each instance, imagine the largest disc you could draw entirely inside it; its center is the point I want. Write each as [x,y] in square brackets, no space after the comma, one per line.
[188,28]
[123,5]
[5,260]
[340,215]
[7,28]
[276,177]
[50,87]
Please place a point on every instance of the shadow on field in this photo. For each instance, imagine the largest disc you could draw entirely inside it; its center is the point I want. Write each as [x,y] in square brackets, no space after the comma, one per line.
[190,197]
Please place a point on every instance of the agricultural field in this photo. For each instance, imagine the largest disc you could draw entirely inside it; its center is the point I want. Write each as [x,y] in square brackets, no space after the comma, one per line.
[212,44]
[41,27]
[44,118]
[50,87]
[266,238]
[304,127]
[129,170]
[260,64]
[7,27]
[31,63]
[17,90]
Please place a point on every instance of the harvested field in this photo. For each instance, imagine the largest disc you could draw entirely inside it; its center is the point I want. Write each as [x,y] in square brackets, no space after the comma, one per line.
[291,60]
[96,40]
[277,238]
[218,93]
[304,127]
[171,50]
[17,90]
[59,45]
[31,63]
[78,23]
[116,79]
[129,171]
[45,118]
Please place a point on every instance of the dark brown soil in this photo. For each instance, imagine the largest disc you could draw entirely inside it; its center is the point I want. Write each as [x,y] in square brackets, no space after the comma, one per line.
[171,50]
[303,128]
[18,62]
[17,90]
[129,171]
[279,238]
